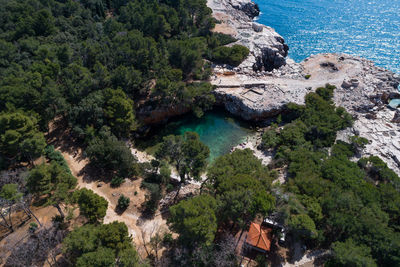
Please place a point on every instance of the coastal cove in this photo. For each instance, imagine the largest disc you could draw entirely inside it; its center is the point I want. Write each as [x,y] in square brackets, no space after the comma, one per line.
[259,97]
[217,128]
[226,133]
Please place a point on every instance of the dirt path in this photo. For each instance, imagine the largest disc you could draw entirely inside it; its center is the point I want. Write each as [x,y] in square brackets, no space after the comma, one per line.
[309,258]
[137,226]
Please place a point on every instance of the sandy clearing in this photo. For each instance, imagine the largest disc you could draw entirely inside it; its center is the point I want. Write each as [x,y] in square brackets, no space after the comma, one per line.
[137,226]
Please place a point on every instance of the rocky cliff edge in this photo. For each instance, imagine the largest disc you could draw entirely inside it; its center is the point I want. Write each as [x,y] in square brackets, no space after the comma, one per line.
[267,80]
[268,50]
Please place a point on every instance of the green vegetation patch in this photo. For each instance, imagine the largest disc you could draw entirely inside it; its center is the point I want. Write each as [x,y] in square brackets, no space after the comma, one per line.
[230,55]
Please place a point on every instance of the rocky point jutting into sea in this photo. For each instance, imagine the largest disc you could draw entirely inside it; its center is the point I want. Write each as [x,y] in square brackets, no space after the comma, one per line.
[267,80]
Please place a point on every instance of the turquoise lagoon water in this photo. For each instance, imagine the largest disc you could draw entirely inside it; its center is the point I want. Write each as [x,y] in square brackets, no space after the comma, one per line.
[367,28]
[219,130]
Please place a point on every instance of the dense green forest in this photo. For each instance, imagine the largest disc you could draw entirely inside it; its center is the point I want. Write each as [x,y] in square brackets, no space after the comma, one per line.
[330,200]
[97,63]
[94,66]
[91,67]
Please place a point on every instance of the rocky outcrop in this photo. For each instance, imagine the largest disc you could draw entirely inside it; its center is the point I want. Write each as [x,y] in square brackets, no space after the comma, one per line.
[270,59]
[267,80]
[251,9]
[383,134]
[396,117]
[268,50]
[362,88]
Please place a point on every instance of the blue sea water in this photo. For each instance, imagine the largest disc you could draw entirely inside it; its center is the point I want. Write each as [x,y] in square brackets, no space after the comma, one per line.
[367,28]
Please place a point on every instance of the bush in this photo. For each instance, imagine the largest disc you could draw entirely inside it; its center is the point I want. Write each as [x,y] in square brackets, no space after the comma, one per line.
[32,227]
[123,202]
[270,139]
[167,239]
[152,198]
[170,188]
[91,205]
[117,181]
[219,39]
[108,153]
[230,55]
[54,155]
[358,142]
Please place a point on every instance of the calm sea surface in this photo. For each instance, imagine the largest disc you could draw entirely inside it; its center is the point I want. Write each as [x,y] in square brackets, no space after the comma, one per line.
[367,28]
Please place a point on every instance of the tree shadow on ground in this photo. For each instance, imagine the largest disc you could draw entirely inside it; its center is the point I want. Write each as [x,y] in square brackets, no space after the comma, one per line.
[61,137]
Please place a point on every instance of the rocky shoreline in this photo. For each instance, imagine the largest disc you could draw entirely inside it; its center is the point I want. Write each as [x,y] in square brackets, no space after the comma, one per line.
[268,50]
[267,80]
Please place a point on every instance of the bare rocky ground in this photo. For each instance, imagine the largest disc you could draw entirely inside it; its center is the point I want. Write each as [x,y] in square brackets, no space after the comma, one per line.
[267,48]
[256,94]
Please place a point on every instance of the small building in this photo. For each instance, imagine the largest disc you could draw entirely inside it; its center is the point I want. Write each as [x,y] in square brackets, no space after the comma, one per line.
[259,237]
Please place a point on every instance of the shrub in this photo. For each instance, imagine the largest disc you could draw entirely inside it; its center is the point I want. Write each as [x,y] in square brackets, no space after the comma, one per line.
[170,188]
[32,227]
[230,55]
[153,197]
[123,202]
[54,155]
[167,239]
[91,205]
[219,39]
[117,181]
[358,142]
[270,139]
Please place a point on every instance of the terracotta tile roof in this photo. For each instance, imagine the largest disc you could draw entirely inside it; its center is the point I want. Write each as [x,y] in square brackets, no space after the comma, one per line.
[259,236]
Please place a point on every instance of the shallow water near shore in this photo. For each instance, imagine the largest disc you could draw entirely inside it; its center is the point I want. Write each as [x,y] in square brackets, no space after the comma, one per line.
[219,130]
[366,28]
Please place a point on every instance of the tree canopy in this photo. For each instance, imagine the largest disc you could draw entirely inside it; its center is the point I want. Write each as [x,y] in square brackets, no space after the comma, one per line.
[330,200]
[109,154]
[91,205]
[239,162]
[101,245]
[100,63]
[187,153]
[20,138]
[195,220]
[52,181]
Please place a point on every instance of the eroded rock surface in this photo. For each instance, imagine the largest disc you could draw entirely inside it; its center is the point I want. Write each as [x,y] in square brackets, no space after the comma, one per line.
[362,88]
[267,48]
[383,136]
[266,81]
[360,85]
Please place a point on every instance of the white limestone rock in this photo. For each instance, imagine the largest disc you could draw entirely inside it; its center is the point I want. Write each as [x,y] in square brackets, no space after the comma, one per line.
[267,48]
[266,81]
